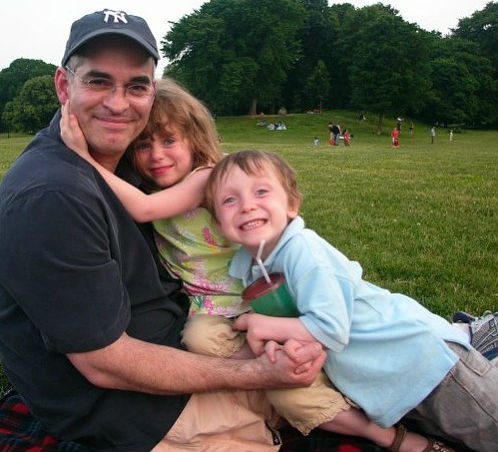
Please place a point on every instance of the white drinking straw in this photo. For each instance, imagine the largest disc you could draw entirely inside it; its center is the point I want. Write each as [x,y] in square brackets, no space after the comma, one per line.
[260,262]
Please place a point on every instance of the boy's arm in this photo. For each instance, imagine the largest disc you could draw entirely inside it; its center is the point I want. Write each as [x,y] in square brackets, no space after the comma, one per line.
[262,328]
[180,198]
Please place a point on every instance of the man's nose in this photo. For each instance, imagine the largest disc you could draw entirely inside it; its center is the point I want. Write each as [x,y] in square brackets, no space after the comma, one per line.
[116,99]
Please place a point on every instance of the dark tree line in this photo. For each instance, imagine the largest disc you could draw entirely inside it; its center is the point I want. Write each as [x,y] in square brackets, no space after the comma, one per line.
[27,96]
[247,56]
[251,56]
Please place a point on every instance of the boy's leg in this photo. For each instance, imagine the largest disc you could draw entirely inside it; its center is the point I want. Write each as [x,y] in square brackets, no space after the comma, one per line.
[464,406]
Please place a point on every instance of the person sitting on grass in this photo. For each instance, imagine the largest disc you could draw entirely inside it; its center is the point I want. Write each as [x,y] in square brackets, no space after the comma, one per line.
[177,144]
[387,353]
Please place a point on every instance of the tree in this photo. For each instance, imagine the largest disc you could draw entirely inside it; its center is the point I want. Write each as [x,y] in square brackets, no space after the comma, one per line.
[235,54]
[317,86]
[316,36]
[482,29]
[34,107]
[390,72]
[463,88]
[13,78]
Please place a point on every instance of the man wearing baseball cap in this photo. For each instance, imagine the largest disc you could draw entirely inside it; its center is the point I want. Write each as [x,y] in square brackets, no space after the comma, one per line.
[89,324]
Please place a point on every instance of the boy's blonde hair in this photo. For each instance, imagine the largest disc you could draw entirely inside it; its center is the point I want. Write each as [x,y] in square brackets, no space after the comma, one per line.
[253,162]
[174,105]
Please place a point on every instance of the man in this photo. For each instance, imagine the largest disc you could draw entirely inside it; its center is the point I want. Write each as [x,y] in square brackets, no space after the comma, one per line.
[89,330]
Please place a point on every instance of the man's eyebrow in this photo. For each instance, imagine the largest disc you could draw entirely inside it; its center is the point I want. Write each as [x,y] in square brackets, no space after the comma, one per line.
[138,79]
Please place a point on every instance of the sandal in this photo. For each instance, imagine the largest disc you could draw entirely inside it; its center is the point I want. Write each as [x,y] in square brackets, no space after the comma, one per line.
[433,446]
[437,446]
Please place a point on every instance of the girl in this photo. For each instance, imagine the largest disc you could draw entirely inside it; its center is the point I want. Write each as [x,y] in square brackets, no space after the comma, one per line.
[174,155]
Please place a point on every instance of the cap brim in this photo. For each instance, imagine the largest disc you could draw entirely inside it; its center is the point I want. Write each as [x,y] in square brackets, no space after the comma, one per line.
[123,32]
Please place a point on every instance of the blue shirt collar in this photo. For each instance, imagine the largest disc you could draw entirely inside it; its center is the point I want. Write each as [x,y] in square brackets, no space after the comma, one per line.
[242,266]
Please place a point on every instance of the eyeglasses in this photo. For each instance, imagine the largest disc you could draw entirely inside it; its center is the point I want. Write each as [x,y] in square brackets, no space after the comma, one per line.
[104,86]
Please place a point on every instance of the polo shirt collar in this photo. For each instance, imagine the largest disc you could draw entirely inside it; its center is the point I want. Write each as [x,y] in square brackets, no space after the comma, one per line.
[242,265]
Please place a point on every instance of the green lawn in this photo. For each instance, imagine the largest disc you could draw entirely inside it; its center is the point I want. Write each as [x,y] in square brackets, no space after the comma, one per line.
[421,219]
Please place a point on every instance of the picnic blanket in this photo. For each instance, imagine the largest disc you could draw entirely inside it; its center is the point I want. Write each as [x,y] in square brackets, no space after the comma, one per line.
[20,432]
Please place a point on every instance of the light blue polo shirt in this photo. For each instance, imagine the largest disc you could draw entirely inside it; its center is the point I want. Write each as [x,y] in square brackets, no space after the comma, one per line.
[385,351]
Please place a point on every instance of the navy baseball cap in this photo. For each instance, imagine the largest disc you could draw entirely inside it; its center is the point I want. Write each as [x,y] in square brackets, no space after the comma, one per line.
[105,22]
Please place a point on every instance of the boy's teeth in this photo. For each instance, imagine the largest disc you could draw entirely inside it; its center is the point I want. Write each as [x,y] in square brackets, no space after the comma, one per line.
[252,224]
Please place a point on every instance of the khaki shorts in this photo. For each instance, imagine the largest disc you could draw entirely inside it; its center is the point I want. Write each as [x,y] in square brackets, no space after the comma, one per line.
[224,421]
[304,408]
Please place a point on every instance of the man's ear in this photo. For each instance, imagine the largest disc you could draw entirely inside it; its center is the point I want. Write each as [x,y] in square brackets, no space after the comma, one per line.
[61,85]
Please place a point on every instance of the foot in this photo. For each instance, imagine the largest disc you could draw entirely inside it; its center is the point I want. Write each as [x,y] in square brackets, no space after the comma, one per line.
[406,441]
[463,317]
[484,335]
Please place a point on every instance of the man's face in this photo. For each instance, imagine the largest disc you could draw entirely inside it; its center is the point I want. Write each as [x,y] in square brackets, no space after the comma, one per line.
[110,120]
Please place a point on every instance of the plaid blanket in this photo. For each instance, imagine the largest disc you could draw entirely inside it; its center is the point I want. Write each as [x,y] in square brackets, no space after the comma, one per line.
[20,432]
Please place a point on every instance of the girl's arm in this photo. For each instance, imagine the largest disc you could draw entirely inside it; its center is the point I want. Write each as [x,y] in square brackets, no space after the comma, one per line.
[180,198]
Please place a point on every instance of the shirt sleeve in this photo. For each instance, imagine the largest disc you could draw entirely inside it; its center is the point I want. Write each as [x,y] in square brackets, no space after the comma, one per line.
[324,293]
[62,271]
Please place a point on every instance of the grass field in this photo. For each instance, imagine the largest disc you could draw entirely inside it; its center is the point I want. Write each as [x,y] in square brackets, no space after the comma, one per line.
[421,219]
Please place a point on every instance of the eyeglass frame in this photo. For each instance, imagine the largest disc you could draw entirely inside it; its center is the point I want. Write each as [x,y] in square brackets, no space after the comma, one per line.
[111,87]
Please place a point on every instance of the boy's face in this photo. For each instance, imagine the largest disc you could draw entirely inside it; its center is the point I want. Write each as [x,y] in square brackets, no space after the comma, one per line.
[251,208]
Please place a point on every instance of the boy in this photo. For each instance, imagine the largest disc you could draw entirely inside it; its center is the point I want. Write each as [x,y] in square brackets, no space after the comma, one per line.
[385,351]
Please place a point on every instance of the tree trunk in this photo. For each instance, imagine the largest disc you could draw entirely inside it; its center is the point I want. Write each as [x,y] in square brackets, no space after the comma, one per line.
[252,108]
[379,123]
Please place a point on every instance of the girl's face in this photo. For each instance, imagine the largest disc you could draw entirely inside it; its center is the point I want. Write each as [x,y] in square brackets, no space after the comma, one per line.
[166,158]
[251,208]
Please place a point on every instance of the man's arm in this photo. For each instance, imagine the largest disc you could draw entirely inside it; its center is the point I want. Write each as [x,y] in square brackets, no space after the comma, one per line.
[131,364]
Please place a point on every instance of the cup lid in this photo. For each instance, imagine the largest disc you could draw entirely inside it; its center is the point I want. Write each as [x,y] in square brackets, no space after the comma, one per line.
[261,287]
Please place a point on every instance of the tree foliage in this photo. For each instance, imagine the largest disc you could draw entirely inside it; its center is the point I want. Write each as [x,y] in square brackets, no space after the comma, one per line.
[390,71]
[236,53]
[13,78]
[34,107]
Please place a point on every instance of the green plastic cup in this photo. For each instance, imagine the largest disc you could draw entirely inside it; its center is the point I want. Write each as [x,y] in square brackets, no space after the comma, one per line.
[272,299]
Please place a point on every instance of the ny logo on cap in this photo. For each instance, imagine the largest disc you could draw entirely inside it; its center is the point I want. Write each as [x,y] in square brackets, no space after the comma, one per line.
[118,16]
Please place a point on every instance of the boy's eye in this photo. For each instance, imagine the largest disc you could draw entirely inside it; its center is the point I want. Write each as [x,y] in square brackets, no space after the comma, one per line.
[169,141]
[261,191]
[229,200]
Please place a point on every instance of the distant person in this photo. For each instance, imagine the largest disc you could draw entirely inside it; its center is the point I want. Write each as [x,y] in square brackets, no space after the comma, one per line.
[451,136]
[331,132]
[361,117]
[315,141]
[395,137]
[346,136]
[398,124]
[411,128]
[433,134]
[336,135]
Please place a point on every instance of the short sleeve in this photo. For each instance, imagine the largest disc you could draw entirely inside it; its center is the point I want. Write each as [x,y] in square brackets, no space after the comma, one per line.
[62,271]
